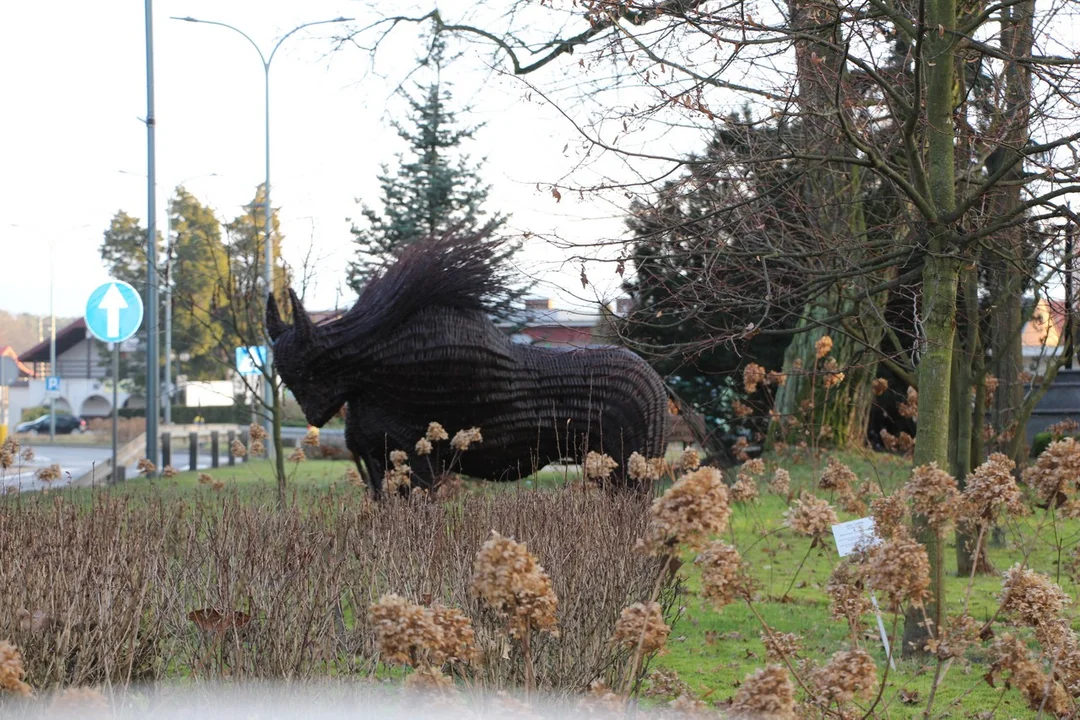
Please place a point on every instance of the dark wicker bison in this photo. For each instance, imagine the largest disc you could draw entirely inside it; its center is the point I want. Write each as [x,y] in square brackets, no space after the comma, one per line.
[419,346]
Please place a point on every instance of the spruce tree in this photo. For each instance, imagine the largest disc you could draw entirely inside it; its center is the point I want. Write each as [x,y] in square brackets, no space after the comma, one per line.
[434,188]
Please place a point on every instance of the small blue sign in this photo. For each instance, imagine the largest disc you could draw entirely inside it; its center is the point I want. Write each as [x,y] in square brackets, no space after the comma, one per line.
[114,312]
[52,383]
[250,360]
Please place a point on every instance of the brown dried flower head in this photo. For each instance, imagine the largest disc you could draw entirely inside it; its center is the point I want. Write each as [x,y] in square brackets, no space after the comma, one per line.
[398,457]
[206,479]
[642,624]
[404,631]
[823,346]
[744,489]
[396,478]
[168,472]
[642,470]
[781,645]
[423,446]
[849,674]
[297,455]
[598,466]
[1060,429]
[429,680]
[755,466]
[27,454]
[1055,474]
[146,467]
[464,438]
[847,599]
[837,476]
[353,477]
[50,474]
[723,576]
[775,377]
[690,460]
[960,633]
[257,448]
[689,512]
[741,409]
[933,493]
[510,580]
[879,386]
[256,431]
[311,438]
[768,694]
[456,640]
[435,432]
[910,407]
[11,670]
[990,382]
[780,483]
[811,516]
[890,515]
[1041,692]
[900,570]
[753,375]
[1031,598]
[832,376]
[991,490]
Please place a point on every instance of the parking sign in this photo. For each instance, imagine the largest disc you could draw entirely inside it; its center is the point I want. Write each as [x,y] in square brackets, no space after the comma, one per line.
[250,360]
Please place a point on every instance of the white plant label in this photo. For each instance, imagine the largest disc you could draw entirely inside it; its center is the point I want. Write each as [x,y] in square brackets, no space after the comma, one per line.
[854,534]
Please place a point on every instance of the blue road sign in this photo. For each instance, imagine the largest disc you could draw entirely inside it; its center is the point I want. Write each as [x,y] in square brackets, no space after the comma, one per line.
[250,360]
[52,383]
[114,312]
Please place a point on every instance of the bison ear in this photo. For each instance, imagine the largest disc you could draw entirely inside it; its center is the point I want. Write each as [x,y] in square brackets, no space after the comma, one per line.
[274,325]
[305,329]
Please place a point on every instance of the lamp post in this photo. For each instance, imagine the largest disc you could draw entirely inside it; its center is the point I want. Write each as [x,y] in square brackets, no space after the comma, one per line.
[268,270]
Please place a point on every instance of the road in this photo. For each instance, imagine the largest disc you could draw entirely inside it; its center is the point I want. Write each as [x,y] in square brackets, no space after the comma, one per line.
[74,461]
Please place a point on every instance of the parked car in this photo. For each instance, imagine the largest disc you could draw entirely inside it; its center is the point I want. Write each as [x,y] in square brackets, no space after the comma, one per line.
[65,425]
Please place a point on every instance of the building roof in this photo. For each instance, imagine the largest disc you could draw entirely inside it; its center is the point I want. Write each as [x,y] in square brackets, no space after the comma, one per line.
[66,338]
[8,351]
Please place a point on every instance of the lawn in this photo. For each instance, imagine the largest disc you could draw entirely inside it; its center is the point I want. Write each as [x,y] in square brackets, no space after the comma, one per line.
[712,651]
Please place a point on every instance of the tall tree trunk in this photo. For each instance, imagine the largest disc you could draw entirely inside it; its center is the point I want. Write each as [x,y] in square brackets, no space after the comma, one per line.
[940,275]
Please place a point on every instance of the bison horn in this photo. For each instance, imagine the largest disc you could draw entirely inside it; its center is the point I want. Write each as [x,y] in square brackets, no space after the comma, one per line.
[305,329]
[274,324]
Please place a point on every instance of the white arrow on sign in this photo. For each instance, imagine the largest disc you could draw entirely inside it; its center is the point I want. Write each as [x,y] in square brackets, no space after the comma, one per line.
[112,304]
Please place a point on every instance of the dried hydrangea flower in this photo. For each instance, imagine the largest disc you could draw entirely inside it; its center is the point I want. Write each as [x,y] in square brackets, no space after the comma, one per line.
[311,438]
[1056,472]
[1040,690]
[690,460]
[847,599]
[52,473]
[768,694]
[168,472]
[456,640]
[256,431]
[428,679]
[423,446]
[890,515]
[777,378]
[640,469]
[397,478]
[398,457]
[723,576]
[957,636]
[910,407]
[404,631]
[744,489]
[755,466]
[810,516]
[510,580]
[1031,598]
[823,346]
[780,483]
[849,674]
[933,494]
[146,466]
[694,508]
[837,476]
[436,432]
[991,490]
[206,479]
[781,645]
[464,438]
[879,386]
[598,466]
[237,449]
[833,376]
[644,624]
[27,455]
[753,375]
[11,670]
[257,448]
[297,455]
[741,409]
[900,570]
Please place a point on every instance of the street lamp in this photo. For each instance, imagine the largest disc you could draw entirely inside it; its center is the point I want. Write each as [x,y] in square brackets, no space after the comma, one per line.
[268,270]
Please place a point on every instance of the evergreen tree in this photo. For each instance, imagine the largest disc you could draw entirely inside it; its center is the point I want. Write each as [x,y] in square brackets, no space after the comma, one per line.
[435,187]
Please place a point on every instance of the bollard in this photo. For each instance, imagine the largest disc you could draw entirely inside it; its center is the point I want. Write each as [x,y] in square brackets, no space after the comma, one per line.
[193,451]
[231,438]
[119,475]
[166,449]
[214,448]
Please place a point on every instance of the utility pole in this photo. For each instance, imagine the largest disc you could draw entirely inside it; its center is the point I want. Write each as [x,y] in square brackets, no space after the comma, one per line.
[153,398]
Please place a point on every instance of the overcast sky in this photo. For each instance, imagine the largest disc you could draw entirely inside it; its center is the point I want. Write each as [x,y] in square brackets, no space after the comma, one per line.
[74,145]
